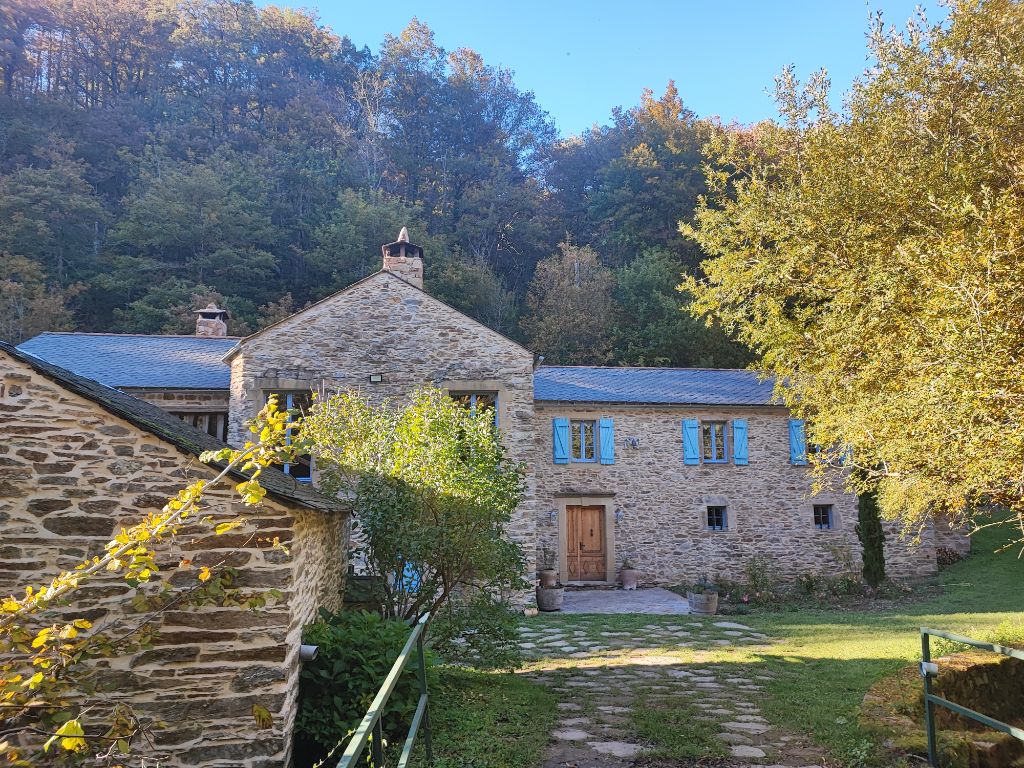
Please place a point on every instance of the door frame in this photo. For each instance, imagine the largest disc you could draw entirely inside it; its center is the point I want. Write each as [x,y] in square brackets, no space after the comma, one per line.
[607,502]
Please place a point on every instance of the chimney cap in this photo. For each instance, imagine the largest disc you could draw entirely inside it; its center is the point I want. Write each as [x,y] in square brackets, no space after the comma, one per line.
[210,309]
[402,247]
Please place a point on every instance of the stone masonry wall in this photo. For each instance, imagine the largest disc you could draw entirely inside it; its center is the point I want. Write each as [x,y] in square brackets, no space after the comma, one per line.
[182,400]
[70,475]
[662,501]
[384,326]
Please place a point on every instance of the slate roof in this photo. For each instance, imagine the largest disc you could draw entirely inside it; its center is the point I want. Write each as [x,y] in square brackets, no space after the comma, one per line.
[670,386]
[135,360]
[170,429]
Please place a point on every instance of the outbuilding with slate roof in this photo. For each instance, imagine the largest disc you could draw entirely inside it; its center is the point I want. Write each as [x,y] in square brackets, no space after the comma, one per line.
[78,460]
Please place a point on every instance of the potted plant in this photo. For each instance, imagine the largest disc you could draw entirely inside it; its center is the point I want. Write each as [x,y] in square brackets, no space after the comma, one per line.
[547,574]
[550,598]
[703,597]
[629,574]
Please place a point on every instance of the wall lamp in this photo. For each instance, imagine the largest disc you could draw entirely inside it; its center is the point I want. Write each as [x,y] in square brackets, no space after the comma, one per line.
[552,517]
[618,515]
[376,378]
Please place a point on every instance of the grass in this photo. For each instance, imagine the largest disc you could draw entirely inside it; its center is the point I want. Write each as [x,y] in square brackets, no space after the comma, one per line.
[489,720]
[827,660]
[677,731]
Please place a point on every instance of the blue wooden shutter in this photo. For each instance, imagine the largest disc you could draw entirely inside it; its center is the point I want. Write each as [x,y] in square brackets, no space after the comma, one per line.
[739,441]
[691,441]
[797,442]
[606,439]
[560,440]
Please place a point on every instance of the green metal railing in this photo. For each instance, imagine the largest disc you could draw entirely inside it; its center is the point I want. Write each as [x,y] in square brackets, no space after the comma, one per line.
[370,729]
[929,669]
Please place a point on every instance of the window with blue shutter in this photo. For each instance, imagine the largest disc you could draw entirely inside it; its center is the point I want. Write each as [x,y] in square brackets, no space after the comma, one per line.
[691,441]
[560,440]
[739,441]
[606,441]
[797,442]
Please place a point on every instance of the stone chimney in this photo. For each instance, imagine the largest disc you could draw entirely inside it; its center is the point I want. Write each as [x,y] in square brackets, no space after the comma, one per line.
[212,321]
[404,259]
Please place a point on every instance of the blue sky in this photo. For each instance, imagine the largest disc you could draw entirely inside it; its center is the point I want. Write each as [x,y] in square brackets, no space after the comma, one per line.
[581,59]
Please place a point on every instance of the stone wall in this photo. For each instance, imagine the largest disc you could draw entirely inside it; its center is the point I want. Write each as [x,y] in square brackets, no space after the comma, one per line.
[661,501]
[70,475]
[383,327]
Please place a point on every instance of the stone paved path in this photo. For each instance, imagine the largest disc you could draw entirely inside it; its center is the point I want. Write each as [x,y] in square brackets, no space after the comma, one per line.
[654,600]
[602,675]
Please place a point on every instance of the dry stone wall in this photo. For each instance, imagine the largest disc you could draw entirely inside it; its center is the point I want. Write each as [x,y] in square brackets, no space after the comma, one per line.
[70,475]
[661,502]
[383,327]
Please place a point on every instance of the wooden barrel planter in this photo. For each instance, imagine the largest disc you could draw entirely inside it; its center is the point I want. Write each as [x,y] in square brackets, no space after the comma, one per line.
[550,598]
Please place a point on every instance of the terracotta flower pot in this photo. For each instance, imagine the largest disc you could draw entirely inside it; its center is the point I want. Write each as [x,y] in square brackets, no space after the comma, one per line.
[550,599]
[703,603]
[630,577]
[548,577]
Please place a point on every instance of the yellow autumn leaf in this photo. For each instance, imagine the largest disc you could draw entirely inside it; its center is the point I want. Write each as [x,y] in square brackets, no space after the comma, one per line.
[70,735]
[204,574]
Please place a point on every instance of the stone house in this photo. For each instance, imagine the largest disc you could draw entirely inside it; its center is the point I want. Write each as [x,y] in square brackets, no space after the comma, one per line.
[684,472]
[78,459]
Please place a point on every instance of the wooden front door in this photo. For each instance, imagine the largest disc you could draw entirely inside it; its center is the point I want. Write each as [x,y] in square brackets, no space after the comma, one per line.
[585,543]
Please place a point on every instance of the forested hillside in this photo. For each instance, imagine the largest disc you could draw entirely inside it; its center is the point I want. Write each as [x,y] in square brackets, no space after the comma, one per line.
[156,155]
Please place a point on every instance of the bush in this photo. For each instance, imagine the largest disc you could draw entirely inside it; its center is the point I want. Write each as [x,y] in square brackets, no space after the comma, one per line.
[481,633]
[357,649]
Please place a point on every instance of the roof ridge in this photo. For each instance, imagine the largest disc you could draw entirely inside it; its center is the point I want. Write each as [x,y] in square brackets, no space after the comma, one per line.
[134,335]
[648,368]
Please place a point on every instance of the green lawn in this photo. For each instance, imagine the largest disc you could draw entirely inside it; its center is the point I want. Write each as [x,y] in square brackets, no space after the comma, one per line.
[489,720]
[827,660]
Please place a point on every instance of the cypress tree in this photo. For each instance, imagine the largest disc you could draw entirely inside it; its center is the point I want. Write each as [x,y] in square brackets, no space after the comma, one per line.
[872,538]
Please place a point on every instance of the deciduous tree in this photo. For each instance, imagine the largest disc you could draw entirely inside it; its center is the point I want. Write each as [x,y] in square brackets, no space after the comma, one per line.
[873,260]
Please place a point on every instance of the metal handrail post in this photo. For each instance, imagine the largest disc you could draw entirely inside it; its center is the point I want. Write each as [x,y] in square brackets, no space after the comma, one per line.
[929,714]
[377,745]
[427,741]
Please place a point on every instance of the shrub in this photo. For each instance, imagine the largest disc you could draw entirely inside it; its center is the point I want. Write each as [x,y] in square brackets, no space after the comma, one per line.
[481,632]
[357,649]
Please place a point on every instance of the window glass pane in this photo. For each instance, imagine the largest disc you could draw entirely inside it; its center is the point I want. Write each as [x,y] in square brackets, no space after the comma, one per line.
[719,432]
[588,440]
[301,468]
[716,518]
[577,441]
[708,441]
[823,515]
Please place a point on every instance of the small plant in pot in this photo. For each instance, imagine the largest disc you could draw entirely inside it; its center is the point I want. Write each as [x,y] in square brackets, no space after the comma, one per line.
[550,598]
[547,574]
[629,574]
[703,597]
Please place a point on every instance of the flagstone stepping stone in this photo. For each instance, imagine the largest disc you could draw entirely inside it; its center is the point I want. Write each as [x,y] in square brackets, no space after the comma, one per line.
[580,655]
[743,750]
[613,708]
[572,734]
[569,706]
[746,727]
[615,748]
[730,625]
[575,721]
[527,646]
[723,642]
[751,718]
[733,633]
[734,738]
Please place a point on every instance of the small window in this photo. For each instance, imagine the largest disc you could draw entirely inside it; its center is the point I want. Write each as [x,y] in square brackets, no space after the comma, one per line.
[823,516]
[713,442]
[718,519]
[474,401]
[302,468]
[583,440]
